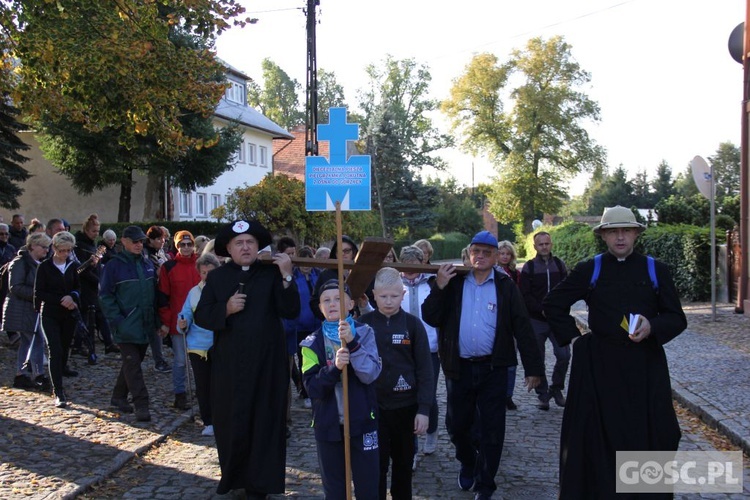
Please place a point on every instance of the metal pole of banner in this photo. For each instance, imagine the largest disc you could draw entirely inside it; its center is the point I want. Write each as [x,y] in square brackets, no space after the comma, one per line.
[345,372]
[712,198]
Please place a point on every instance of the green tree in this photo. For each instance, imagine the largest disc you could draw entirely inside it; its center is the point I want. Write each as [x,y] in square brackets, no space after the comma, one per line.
[615,189]
[684,184]
[111,63]
[539,141]
[642,195]
[663,186]
[457,210]
[11,146]
[726,167]
[403,86]
[405,203]
[278,99]
[330,94]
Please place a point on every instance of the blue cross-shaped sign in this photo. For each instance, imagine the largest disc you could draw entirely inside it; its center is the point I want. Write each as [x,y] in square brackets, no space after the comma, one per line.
[337,178]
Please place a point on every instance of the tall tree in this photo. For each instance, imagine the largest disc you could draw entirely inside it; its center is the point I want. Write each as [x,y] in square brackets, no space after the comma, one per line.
[663,186]
[403,86]
[457,210]
[642,195]
[684,184]
[726,166]
[539,140]
[330,94]
[615,189]
[11,146]
[111,62]
[278,99]
[405,203]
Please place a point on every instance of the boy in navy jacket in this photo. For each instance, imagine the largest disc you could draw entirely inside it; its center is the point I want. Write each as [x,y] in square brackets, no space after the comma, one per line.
[342,344]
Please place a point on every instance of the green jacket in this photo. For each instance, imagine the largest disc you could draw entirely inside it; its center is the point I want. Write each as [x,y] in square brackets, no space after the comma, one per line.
[127,292]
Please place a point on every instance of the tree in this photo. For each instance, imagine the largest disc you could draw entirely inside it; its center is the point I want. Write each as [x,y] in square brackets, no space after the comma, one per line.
[540,141]
[663,186]
[402,86]
[330,94]
[403,200]
[684,184]
[457,210]
[642,196]
[726,166]
[278,202]
[108,63]
[615,189]
[278,99]
[11,146]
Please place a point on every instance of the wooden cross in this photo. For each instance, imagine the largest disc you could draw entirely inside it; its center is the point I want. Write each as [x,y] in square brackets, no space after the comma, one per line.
[367,263]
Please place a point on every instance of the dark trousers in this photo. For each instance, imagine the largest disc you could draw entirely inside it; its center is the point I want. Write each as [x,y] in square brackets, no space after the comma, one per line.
[432,426]
[542,332]
[396,440]
[478,393]
[364,457]
[130,379]
[202,375]
[59,335]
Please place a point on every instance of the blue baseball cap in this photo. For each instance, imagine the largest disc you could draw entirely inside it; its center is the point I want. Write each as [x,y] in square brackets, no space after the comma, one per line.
[484,238]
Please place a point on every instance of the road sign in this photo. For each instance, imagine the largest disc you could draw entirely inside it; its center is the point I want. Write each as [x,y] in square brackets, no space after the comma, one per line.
[701,175]
[338,178]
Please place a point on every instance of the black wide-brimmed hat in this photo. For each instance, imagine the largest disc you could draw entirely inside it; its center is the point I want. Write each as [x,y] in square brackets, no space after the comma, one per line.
[238,227]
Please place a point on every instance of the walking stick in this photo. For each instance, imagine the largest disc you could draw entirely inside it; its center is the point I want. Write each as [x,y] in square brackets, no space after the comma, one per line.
[187,374]
[345,372]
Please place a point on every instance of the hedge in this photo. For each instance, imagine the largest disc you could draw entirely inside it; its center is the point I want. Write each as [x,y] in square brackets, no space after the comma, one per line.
[685,249]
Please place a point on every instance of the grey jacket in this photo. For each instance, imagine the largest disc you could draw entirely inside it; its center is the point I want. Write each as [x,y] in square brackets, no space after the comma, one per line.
[18,311]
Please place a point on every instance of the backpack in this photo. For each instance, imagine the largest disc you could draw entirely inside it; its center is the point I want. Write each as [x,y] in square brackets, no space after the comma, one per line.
[598,268]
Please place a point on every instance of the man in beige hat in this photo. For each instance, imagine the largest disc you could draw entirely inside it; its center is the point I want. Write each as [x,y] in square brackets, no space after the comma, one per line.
[619,393]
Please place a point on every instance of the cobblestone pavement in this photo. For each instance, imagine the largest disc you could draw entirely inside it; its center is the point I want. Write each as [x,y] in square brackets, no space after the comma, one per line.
[92,452]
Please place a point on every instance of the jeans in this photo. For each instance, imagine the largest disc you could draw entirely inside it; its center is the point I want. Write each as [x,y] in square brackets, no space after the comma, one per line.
[30,360]
[478,394]
[178,363]
[130,379]
[154,340]
[542,332]
[59,335]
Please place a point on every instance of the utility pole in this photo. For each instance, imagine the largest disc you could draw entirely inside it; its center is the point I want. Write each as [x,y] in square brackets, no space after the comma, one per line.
[743,306]
[311,121]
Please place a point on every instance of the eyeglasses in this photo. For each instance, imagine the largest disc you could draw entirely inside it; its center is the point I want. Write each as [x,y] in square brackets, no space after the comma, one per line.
[347,250]
[186,244]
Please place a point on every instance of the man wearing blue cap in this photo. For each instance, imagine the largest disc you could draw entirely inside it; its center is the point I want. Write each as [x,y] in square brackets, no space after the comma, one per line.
[478,316]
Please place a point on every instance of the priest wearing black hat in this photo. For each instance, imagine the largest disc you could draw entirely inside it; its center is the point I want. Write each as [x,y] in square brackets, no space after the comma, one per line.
[243,303]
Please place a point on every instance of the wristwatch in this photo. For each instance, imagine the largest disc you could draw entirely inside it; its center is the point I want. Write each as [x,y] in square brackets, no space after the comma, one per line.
[288,278]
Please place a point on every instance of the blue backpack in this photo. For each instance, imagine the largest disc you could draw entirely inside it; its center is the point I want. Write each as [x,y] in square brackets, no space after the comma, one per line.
[598,269]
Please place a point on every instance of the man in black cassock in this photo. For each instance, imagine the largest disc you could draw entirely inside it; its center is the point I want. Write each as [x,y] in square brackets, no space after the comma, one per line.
[619,396]
[243,303]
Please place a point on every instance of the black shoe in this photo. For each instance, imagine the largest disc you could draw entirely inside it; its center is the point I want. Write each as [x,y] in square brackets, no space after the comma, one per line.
[544,401]
[557,395]
[163,367]
[121,404]
[181,402]
[111,349]
[509,404]
[142,415]
[60,400]
[465,478]
[43,384]
[67,372]
[23,382]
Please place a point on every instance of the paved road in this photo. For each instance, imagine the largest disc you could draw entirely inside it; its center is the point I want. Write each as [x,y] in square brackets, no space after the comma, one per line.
[51,453]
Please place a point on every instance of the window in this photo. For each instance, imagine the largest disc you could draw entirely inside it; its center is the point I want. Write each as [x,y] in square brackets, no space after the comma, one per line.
[251,154]
[239,156]
[200,205]
[184,203]
[215,201]
[263,151]
[236,92]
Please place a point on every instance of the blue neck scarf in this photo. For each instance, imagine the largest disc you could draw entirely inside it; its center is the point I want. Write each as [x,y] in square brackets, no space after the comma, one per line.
[331,329]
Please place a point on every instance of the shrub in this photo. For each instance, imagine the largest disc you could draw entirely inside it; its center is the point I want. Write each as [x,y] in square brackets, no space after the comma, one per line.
[448,245]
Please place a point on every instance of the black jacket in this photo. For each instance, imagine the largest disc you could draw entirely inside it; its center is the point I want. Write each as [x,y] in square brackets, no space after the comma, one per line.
[442,309]
[538,278]
[85,248]
[51,286]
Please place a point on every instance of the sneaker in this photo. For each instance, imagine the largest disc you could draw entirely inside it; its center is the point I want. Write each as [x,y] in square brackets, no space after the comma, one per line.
[308,403]
[121,404]
[544,401]
[111,349]
[142,415]
[43,383]
[465,478]
[430,443]
[23,382]
[208,430]
[181,402]
[414,463]
[557,395]
[60,400]
[163,367]
[510,405]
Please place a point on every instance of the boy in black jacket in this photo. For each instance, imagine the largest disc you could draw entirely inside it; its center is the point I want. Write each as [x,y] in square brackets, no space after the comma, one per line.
[404,387]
